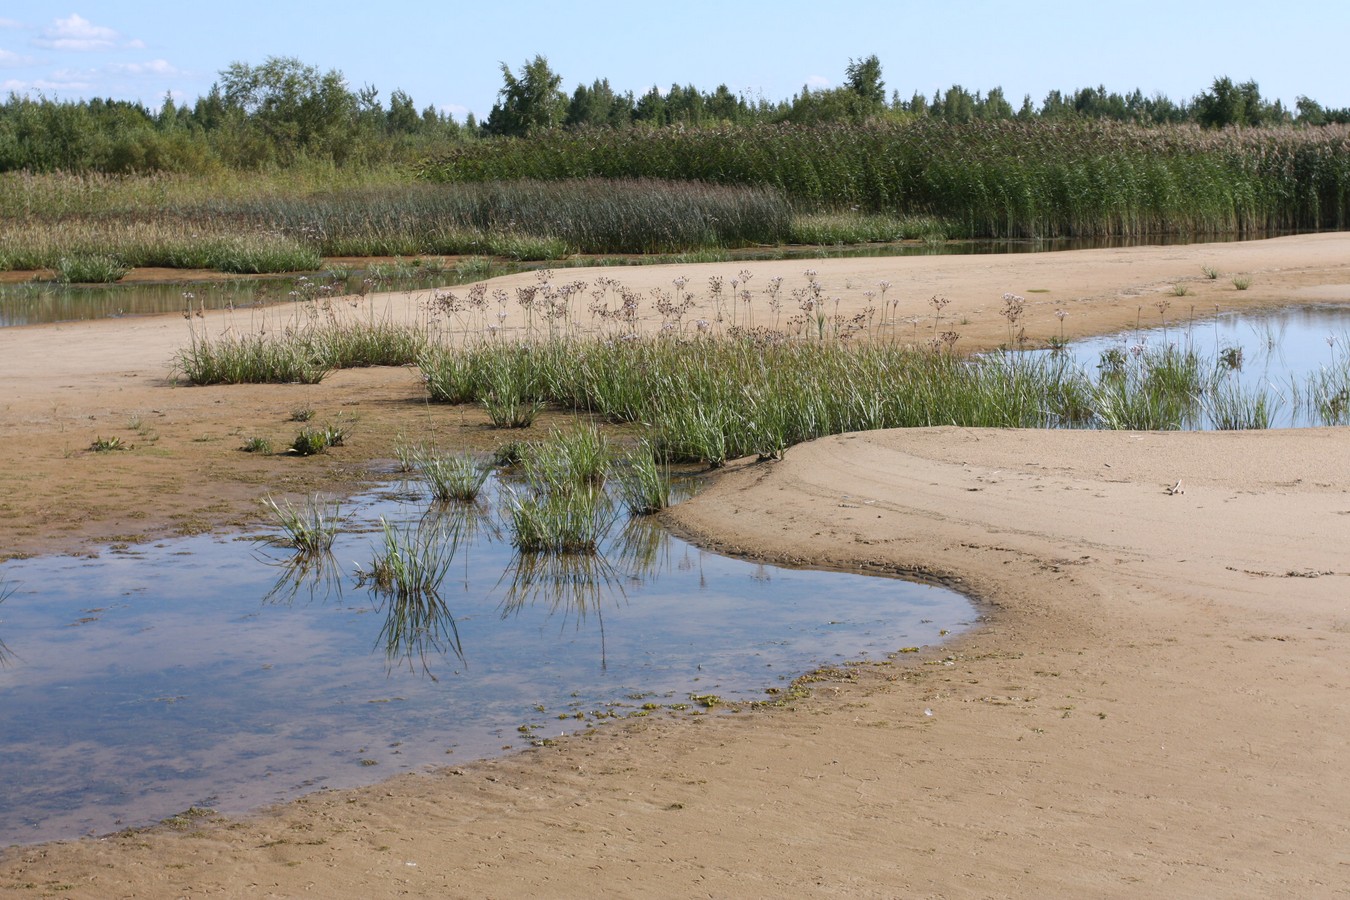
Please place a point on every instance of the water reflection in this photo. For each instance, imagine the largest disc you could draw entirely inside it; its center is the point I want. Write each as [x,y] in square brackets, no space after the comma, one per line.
[5,591]
[143,684]
[1284,368]
[315,575]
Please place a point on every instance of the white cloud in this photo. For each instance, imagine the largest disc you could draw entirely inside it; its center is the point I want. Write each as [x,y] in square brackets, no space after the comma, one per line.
[817,81]
[453,109]
[10,23]
[10,60]
[77,33]
[44,85]
[154,67]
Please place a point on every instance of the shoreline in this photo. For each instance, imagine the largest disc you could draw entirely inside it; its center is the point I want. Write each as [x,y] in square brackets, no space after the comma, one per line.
[1155,702]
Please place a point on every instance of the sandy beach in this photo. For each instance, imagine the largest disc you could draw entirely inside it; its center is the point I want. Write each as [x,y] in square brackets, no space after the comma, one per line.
[1156,703]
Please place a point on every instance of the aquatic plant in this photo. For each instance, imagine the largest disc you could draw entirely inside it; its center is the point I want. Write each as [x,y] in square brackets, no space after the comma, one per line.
[309,528]
[406,572]
[559,521]
[644,484]
[457,477]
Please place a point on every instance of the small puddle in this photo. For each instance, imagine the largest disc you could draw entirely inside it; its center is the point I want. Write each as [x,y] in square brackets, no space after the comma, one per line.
[208,672]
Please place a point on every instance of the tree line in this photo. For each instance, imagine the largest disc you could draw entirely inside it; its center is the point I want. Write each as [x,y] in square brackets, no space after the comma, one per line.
[284,111]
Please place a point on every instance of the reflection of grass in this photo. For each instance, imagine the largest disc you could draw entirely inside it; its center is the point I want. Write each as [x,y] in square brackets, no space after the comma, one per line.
[318,573]
[572,584]
[6,591]
[408,573]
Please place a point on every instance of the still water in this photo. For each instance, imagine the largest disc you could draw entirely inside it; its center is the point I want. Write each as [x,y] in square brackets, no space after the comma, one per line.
[1291,354]
[209,672]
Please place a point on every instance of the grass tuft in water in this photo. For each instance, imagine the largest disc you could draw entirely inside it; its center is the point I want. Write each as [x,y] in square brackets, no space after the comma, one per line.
[407,572]
[309,528]
[560,521]
[458,477]
[644,484]
[1233,407]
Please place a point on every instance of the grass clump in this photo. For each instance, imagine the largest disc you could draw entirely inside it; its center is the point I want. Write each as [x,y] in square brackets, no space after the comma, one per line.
[407,571]
[1242,282]
[250,359]
[1232,407]
[257,445]
[644,484]
[412,561]
[1327,393]
[1147,390]
[310,528]
[311,441]
[459,477]
[89,268]
[568,459]
[559,521]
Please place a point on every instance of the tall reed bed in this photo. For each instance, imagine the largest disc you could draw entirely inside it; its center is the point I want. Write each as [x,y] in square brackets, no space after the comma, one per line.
[166,224]
[999,179]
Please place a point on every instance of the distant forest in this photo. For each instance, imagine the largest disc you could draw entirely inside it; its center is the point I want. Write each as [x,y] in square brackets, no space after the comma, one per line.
[283,112]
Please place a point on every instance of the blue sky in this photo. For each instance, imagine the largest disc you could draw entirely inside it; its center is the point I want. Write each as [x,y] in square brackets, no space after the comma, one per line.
[447,54]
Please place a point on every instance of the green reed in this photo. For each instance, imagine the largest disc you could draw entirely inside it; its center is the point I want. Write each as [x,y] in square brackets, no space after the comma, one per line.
[164,221]
[1003,179]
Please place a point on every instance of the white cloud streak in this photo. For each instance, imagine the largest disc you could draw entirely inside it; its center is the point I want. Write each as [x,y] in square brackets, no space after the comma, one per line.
[160,67]
[10,60]
[79,34]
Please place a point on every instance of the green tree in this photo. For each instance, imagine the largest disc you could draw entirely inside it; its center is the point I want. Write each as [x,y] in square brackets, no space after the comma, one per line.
[402,117]
[297,108]
[529,102]
[1226,103]
[863,77]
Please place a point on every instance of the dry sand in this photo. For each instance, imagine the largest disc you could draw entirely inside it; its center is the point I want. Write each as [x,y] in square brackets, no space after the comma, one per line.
[1155,705]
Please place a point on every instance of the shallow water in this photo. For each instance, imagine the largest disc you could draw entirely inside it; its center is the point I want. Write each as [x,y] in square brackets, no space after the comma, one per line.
[204,671]
[1279,350]
[45,303]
